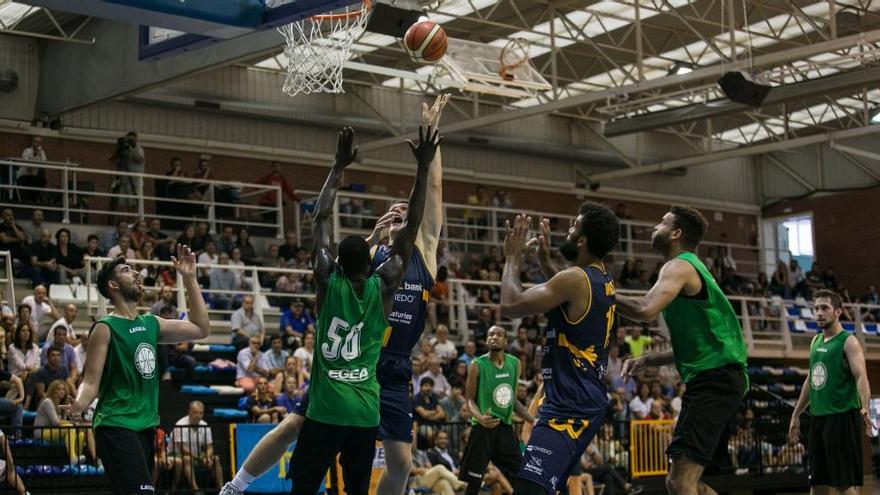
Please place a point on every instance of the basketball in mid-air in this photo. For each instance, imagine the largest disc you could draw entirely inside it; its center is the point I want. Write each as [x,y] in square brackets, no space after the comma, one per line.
[425,42]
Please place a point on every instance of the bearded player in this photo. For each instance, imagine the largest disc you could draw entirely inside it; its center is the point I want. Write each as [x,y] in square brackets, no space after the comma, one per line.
[580,307]
[395,365]
[121,370]
[708,349]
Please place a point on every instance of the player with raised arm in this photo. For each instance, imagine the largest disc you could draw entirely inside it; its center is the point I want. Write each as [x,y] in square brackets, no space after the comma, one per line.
[353,304]
[121,370]
[579,303]
[395,368]
[707,348]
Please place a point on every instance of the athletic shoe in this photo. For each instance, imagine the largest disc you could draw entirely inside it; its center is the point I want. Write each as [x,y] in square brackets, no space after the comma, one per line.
[228,489]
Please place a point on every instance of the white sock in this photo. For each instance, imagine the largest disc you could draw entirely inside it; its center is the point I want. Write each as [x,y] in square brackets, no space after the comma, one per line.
[242,480]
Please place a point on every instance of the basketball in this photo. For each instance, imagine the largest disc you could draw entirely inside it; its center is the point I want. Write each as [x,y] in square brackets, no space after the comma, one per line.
[425,42]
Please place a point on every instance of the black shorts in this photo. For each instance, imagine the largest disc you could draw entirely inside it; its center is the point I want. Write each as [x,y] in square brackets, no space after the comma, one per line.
[316,449]
[128,459]
[499,445]
[709,404]
[835,449]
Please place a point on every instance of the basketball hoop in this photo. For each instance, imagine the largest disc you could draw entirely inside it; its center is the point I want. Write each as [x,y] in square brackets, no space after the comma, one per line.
[514,54]
[318,46]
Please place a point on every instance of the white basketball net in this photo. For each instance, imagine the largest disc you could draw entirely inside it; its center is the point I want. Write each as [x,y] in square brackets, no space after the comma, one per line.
[318,46]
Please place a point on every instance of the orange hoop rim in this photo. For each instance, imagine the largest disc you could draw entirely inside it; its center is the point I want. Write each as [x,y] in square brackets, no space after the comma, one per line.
[366,5]
[505,68]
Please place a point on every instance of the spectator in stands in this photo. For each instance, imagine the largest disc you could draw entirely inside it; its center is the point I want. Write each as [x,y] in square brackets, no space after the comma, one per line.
[620,341]
[828,278]
[32,177]
[113,236]
[657,410]
[640,405]
[93,247]
[44,268]
[223,279]
[779,285]
[36,226]
[443,348]
[287,251]
[637,342]
[66,322]
[470,352]
[501,200]
[7,468]
[594,464]
[166,299]
[249,366]
[270,198]
[162,461]
[24,314]
[11,401]
[246,323]
[432,478]
[272,260]
[615,363]
[617,405]
[208,257]
[40,305]
[14,239]
[188,236]
[161,239]
[814,279]
[522,348]
[295,322]
[655,275]
[123,248]
[426,407]
[438,304]
[627,273]
[203,235]
[304,356]
[138,234]
[452,403]
[261,404]
[274,358]
[68,257]
[796,279]
[7,331]
[485,321]
[68,356]
[51,426]
[243,243]
[291,395]
[194,444]
[289,370]
[435,373]
[226,241]
[48,373]
[238,268]
[675,403]
[24,354]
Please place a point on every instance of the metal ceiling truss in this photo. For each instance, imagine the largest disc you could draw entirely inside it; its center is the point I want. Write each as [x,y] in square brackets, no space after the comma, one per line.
[57,33]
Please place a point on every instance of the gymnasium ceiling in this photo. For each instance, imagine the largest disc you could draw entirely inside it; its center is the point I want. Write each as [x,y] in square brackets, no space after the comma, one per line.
[613,63]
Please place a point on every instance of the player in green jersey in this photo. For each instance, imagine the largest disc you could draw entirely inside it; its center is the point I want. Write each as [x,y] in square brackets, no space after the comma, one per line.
[707,349]
[838,395]
[491,399]
[121,370]
[353,308]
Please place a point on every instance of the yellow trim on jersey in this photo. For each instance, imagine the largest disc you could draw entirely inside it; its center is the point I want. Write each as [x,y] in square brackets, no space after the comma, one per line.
[386,336]
[567,426]
[600,266]
[426,296]
[589,305]
[588,354]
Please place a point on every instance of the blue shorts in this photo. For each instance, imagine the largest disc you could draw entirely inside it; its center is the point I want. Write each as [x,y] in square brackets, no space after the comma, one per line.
[394,373]
[555,447]
[395,398]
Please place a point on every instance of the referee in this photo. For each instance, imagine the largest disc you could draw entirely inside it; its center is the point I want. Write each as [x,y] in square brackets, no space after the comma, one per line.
[838,394]
[491,398]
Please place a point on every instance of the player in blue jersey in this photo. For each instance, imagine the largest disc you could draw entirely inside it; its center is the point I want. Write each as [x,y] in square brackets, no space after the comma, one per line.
[394,370]
[580,307]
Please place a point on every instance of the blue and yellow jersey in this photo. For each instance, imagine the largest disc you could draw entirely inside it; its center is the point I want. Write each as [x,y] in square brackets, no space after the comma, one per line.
[410,309]
[576,355]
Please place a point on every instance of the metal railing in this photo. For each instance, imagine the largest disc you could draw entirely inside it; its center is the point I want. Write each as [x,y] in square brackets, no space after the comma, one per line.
[206,200]
[470,228]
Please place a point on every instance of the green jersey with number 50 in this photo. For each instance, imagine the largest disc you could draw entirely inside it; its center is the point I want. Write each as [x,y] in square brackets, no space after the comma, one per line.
[351,329]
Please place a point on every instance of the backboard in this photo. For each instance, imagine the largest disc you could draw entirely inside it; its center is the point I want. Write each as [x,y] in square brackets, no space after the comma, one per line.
[477,66]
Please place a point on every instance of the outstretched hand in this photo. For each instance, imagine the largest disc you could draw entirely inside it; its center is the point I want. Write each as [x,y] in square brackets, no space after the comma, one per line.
[429,141]
[541,244]
[516,241]
[431,115]
[346,152]
[185,261]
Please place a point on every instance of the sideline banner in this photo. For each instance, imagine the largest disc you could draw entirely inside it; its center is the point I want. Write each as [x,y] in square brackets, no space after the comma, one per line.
[272,481]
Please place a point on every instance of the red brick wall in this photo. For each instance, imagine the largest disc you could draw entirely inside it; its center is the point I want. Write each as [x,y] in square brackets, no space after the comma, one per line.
[740,228]
[845,234]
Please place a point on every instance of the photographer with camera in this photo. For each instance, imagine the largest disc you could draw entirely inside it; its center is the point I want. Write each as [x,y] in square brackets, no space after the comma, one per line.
[129,157]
